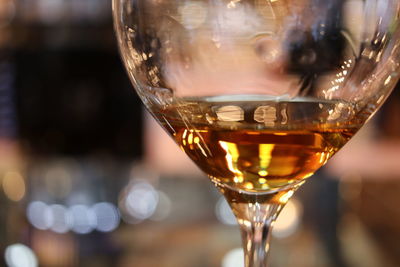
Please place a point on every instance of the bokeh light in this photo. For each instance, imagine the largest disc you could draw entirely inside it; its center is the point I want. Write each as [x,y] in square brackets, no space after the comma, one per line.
[141,201]
[163,208]
[107,216]
[84,219]
[39,215]
[81,219]
[61,219]
[234,258]
[19,255]
[289,219]
[14,186]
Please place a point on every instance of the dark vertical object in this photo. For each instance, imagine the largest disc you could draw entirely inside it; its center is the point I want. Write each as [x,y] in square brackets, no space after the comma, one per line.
[8,133]
[322,212]
[8,115]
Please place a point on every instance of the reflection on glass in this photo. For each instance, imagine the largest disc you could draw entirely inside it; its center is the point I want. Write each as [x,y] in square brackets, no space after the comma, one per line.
[260,94]
[266,115]
[224,213]
[230,113]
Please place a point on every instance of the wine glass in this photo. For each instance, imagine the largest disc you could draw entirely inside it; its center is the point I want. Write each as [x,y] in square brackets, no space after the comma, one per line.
[260,93]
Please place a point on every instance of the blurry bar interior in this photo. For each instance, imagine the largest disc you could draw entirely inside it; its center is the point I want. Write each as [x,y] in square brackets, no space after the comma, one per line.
[88,179]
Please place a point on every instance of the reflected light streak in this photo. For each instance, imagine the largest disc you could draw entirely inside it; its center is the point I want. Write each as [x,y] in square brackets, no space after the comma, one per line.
[232,156]
[387,81]
[339,80]
[232,4]
[285,197]
[190,138]
[265,154]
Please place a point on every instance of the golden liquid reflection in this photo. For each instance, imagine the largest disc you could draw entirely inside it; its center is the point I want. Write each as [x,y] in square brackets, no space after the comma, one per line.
[232,157]
[265,154]
[283,199]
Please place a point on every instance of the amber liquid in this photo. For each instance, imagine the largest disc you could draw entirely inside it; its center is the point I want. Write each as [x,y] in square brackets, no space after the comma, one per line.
[259,145]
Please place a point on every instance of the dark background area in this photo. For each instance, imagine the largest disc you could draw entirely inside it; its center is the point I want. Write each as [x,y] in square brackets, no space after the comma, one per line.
[72,94]
[76,102]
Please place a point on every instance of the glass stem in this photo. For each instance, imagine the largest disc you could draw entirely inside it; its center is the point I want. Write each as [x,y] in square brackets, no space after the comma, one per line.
[256,220]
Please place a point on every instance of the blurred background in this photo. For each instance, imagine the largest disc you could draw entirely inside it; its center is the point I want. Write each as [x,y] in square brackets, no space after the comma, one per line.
[88,179]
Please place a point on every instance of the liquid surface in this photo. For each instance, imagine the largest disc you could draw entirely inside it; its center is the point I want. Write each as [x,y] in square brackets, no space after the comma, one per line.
[258,145]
